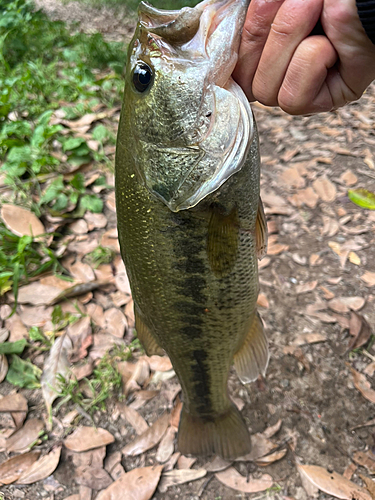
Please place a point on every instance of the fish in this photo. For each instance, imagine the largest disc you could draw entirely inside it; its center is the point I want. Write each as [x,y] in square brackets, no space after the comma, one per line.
[190,219]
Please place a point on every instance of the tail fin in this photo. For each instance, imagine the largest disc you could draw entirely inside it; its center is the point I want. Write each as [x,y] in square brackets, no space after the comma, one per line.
[226,436]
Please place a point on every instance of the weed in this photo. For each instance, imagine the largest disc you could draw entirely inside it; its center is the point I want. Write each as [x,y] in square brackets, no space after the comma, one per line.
[101,255]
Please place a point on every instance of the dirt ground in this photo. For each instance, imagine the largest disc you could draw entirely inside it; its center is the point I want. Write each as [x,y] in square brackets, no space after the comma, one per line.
[321,246]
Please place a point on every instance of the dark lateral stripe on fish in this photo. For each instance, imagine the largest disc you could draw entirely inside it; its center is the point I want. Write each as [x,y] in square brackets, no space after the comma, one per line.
[191,331]
[189,308]
[193,287]
[191,266]
[202,382]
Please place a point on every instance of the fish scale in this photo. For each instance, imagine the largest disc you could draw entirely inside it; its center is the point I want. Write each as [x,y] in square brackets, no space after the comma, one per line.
[193,272]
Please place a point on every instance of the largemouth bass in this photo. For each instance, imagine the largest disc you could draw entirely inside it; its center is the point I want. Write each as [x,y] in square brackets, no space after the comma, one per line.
[191,223]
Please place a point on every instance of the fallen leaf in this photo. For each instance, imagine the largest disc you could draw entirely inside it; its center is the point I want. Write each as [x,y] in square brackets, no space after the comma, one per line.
[56,364]
[263,301]
[366,459]
[273,429]
[166,446]
[94,457]
[159,363]
[85,493]
[260,446]
[115,322]
[139,376]
[292,178]
[370,485]
[111,201]
[370,369]
[363,198]
[81,271]
[180,476]
[14,325]
[349,178]
[138,423]
[22,439]
[80,334]
[88,438]
[363,385]
[217,465]
[3,367]
[360,329]
[368,278]
[13,403]
[171,462]
[306,287]
[328,294]
[325,189]
[13,468]
[20,221]
[350,471]
[110,240]
[308,338]
[176,413]
[95,221]
[266,261]
[314,259]
[95,478]
[354,259]
[277,249]
[41,469]
[148,439]
[141,398]
[138,484]
[330,226]
[37,294]
[343,304]
[186,462]
[233,479]
[332,483]
[271,458]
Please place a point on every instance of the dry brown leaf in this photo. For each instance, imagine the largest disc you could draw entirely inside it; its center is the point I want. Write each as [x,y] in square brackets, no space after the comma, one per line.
[325,189]
[148,439]
[95,478]
[111,201]
[363,385]
[85,493]
[306,287]
[24,437]
[79,226]
[95,312]
[324,317]
[88,438]
[354,259]
[332,483]
[271,458]
[360,329]
[36,315]
[180,476]
[140,374]
[166,446]
[260,446]
[56,364]
[159,363]
[37,294]
[344,304]
[176,413]
[3,367]
[138,484]
[171,462]
[217,465]
[314,259]
[370,485]
[13,403]
[80,334]
[141,398]
[349,471]
[328,294]
[110,240]
[263,301]
[370,369]
[304,197]
[94,458]
[349,178]
[272,429]
[73,497]
[266,261]
[41,469]
[13,468]
[138,423]
[20,221]
[103,342]
[366,459]
[104,272]
[277,249]
[292,178]
[81,271]
[95,221]
[233,479]
[186,462]
[115,322]
[309,338]
[368,278]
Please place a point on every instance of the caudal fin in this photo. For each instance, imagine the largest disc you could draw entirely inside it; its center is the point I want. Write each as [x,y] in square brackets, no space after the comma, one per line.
[226,436]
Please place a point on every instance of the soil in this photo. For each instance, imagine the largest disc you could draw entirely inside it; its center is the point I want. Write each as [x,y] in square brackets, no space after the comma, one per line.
[310,390]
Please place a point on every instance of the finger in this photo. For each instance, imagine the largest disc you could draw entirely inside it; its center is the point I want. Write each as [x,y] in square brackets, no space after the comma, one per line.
[304,89]
[259,18]
[292,24]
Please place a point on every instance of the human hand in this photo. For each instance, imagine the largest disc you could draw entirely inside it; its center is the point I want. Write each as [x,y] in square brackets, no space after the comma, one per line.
[281,65]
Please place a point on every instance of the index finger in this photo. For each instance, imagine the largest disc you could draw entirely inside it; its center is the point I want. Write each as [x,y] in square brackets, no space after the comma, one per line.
[259,18]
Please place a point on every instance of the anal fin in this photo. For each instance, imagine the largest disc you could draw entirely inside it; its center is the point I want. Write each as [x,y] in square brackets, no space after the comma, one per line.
[145,336]
[261,236]
[226,435]
[251,359]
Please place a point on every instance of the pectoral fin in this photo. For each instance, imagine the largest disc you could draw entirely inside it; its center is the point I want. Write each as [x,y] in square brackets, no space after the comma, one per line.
[222,242]
[145,336]
[252,358]
[261,232]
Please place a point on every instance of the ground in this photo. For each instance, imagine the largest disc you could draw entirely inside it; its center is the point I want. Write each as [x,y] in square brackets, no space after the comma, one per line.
[320,249]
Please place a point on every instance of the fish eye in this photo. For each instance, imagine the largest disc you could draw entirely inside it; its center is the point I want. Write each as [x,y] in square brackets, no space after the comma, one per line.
[142,76]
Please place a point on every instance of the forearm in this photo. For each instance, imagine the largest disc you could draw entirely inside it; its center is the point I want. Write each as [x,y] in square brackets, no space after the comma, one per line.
[366,12]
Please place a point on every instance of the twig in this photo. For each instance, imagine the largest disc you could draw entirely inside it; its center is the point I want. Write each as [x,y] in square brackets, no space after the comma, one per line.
[204,486]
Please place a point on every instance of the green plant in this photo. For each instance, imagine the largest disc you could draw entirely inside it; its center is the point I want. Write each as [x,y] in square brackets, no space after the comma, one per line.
[101,255]
[43,341]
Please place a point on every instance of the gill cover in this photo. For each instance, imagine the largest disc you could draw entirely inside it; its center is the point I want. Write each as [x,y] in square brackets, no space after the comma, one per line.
[193,52]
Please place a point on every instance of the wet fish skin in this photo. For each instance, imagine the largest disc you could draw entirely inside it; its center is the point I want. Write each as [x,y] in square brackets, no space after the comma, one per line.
[189,231]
